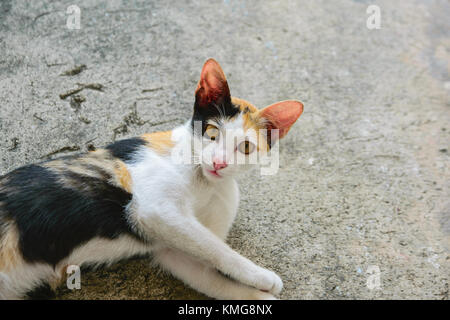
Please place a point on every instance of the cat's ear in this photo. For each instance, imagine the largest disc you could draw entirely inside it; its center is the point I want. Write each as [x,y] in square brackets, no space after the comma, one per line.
[213,86]
[281,115]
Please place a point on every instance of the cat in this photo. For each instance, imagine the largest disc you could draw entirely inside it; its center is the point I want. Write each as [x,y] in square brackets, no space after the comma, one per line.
[133,198]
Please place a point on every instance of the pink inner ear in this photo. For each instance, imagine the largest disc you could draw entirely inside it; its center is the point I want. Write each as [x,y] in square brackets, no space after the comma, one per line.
[282,115]
[213,85]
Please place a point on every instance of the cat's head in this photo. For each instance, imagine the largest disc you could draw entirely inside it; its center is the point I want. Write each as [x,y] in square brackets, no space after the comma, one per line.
[233,133]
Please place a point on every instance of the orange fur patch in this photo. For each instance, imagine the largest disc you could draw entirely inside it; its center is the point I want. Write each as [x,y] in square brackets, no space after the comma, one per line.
[242,104]
[160,142]
[250,115]
[123,176]
[10,256]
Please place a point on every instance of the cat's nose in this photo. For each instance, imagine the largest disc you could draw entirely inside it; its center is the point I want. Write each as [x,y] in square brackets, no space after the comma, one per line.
[219,164]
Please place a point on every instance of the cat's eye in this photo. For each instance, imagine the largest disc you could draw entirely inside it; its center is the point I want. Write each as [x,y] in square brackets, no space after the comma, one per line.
[212,132]
[246,147]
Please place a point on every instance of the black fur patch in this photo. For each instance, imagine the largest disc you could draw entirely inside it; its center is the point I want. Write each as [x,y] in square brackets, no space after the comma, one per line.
[41,292]
[225,110]
[124,149]
[53,219]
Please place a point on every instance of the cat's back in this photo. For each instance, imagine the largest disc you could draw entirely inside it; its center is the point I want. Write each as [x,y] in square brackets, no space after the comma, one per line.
[89,173]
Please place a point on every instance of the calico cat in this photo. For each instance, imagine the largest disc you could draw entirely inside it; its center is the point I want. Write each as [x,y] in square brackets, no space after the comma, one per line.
[134,198]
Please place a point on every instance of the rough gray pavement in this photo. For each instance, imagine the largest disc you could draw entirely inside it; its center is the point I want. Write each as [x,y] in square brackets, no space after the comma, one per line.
[364,178]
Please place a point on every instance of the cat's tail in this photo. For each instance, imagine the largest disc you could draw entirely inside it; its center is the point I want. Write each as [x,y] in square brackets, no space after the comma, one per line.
[10,255]
[17,276]
[10,259]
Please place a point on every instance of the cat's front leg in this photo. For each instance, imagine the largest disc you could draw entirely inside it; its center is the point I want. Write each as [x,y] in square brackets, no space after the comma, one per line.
[177,229]
[204,278]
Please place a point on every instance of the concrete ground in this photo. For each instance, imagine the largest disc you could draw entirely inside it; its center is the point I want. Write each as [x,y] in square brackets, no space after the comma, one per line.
[364,180]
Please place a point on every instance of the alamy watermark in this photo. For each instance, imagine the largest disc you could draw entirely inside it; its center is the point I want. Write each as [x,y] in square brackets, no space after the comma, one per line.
[374,19]
[374,279]
[233,147]
[73,21]
[74,277]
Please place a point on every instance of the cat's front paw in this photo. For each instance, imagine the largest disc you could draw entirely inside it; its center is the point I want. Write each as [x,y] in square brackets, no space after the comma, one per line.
[268,281]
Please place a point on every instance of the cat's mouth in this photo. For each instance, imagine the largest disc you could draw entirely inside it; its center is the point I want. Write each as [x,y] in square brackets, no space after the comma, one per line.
[214,173]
